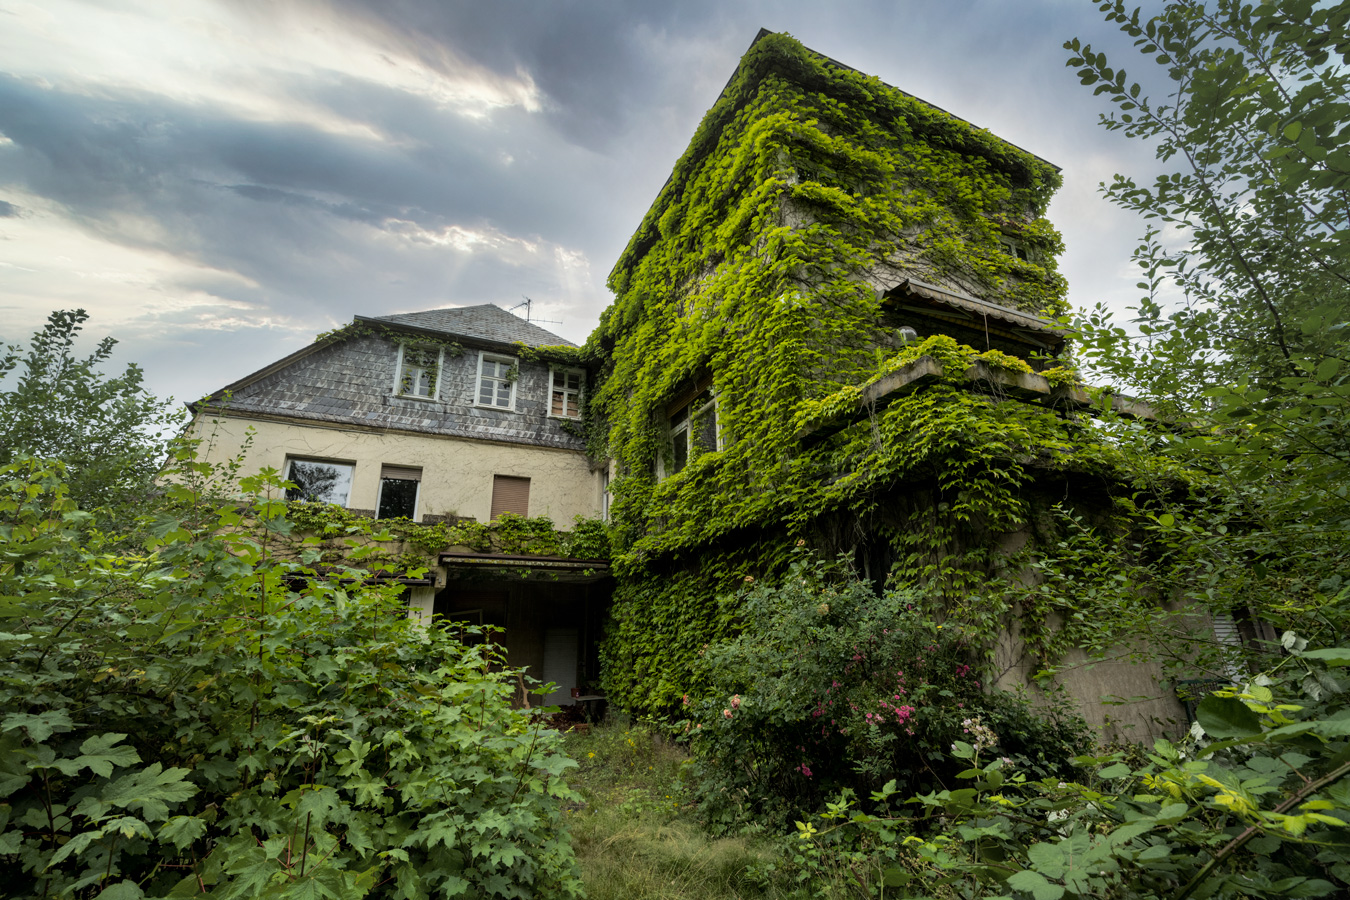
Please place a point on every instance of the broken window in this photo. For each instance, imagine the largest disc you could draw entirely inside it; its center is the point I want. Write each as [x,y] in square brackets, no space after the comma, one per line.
[418,371]
[693,430]
[565,393]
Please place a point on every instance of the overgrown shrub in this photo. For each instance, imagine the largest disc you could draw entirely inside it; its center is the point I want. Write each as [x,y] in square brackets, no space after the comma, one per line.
[1257,807]
[214,717]
[829,686]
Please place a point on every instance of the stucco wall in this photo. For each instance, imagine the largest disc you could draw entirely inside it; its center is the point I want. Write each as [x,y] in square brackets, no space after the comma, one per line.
[456,473]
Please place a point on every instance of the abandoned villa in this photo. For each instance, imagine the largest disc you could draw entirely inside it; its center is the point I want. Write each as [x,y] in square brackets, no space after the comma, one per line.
[837,324]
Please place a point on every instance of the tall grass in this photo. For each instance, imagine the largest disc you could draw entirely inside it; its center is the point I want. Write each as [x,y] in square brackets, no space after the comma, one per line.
[636,836]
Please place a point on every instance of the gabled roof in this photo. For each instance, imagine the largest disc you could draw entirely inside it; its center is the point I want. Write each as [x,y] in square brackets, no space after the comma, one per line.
[484,323]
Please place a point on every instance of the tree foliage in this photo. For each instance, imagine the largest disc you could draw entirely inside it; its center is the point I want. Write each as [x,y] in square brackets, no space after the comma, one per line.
[57,405]
[214,715]
[1245,332]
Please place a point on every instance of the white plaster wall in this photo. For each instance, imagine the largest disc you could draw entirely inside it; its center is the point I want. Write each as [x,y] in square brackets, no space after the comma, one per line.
[456,473]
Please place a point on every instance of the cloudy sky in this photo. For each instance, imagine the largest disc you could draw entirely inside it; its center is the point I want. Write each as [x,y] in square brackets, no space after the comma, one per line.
[217,181]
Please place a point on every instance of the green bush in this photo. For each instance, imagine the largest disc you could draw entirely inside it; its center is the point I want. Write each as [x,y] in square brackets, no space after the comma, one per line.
[1257,807]
[214,717]
[829,686]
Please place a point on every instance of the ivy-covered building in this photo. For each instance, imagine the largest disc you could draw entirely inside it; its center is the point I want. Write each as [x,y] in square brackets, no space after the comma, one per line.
[837,324]
[450,416]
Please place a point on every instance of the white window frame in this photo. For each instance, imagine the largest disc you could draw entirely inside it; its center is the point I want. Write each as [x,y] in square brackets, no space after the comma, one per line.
[485,356]
[553,373]
[398,372]
[417,495]
[684,430]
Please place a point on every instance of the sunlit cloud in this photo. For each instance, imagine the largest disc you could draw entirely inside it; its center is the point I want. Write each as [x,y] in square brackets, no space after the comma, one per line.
[255,67]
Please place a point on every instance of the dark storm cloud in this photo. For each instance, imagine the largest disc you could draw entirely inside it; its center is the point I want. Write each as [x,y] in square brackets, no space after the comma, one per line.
[9,210]
[269,200]
[594,61]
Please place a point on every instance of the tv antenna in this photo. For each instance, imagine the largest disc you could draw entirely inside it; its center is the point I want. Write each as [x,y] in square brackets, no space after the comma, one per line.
[528,304]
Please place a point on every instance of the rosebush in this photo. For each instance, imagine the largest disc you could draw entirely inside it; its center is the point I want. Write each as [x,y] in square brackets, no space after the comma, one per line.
[829,686]
[1257,805]
[216,717]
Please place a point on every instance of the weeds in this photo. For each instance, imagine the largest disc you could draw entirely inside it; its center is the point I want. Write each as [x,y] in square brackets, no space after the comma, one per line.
[637,836]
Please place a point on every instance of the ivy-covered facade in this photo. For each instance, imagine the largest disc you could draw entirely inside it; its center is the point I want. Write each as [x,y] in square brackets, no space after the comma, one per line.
[823,233]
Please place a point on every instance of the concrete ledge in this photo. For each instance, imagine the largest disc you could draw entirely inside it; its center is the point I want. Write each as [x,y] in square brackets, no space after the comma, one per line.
[924,371]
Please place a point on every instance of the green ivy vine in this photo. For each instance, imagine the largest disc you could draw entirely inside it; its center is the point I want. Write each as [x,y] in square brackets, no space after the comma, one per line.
[756,266]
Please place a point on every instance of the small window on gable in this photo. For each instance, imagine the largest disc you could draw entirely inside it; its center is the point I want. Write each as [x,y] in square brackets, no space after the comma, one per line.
[319,481]
[693,430]
[399,486]
[419,369]
[565,393]
[496,381]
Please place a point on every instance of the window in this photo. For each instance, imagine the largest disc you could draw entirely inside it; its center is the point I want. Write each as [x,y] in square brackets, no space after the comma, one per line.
[398,492]
[497,381]
[419,369]
[510,494]
[693,430]
[565,393]
[1015,249]
[319,481]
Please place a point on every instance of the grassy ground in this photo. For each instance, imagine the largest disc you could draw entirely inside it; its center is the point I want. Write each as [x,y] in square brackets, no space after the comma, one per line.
[636,837]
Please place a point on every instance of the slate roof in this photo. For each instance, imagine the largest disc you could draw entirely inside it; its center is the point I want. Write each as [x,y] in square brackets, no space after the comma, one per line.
[485,323]
[351,381]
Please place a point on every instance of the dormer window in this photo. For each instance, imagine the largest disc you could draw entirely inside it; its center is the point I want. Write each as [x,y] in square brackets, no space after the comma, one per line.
[565,393]
[419,369]
[497,381]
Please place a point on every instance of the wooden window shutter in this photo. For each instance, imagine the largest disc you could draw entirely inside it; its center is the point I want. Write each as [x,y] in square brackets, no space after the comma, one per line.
[403,473]
[510,494]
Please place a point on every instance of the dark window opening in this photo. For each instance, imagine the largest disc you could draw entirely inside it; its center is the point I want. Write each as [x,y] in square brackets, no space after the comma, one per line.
[693,430]
[398,492]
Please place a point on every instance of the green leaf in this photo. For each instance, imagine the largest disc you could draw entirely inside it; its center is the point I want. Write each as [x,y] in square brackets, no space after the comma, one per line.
[1227,717]
[99,755]
[122,890]
[1048,858]
[39,726]
[1036,884]
[149,790]
[1332,656]
[180,831]
[1119,770]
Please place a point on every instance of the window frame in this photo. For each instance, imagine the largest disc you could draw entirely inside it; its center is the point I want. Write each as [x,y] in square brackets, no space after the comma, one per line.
[553,373]
[351,478]
[417,494]
[686,428]
[1016,248]
[399,365]
[485,356]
